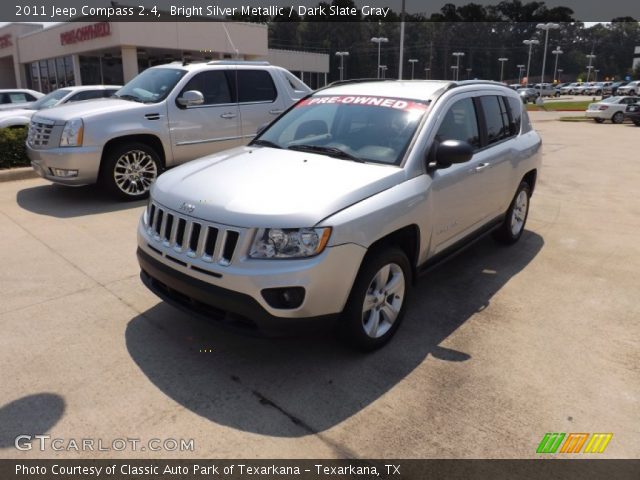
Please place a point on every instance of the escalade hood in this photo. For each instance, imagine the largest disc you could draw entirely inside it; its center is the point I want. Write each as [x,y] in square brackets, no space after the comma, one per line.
[90,108]
[266,187]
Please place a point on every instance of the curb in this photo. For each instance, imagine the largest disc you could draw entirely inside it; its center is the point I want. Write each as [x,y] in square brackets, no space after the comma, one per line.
[12,174]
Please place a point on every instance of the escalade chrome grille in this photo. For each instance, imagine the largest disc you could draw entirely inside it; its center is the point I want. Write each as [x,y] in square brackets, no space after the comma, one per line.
[39,134]
[194,238]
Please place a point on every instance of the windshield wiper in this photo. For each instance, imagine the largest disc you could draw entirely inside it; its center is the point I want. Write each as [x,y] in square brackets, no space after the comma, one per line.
[331,151]
[265,143]
[129,97]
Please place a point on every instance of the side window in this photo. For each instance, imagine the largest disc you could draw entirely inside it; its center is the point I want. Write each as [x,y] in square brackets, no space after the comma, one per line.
[213,85]
[4,98]
[108,93]
[18,97]
[496,118]
[255,86]
[460,123]
[86,95]
[515,106]
[30,98]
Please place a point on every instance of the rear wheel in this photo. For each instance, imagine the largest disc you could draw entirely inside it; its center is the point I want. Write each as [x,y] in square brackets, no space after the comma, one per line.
[378,300]
[129,170]
[513,225]
[618,117]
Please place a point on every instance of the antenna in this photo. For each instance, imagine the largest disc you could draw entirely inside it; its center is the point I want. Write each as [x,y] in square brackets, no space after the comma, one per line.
[230,41]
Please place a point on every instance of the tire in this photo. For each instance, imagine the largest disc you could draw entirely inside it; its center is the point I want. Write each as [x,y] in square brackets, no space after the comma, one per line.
[599,120]
[636,123]
[515,220]
[367,321]
[632,92]
[119,168]
[618,117]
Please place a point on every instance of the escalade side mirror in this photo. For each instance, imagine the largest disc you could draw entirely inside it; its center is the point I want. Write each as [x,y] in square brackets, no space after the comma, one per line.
[449,152]
[190,98]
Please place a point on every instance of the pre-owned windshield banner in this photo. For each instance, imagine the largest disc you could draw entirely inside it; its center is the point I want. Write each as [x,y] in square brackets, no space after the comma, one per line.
[373,101]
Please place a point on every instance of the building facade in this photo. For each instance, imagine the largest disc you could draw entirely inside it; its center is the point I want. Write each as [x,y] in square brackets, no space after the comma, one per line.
[86,53]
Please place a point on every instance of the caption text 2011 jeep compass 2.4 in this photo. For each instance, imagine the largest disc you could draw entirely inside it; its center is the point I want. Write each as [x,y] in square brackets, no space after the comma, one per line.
[331,211]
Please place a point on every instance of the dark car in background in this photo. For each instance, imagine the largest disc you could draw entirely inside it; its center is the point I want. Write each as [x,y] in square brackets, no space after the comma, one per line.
[612,90]
[633,113]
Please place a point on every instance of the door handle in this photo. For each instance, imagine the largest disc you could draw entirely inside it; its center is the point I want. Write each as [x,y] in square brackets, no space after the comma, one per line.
[229,115]
[275,112]
[481,167]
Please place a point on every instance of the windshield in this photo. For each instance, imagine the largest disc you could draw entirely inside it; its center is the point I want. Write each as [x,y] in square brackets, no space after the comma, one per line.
[152,85]
[50,100]
[353,127]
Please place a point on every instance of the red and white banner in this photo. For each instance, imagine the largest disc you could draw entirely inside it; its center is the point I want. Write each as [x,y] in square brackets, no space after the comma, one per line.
[386,102]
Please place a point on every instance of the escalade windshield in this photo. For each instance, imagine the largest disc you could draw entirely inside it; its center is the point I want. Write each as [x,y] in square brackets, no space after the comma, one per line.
[353,127]
[152,85]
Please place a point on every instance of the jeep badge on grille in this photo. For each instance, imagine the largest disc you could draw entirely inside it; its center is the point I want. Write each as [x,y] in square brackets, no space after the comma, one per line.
[187,207]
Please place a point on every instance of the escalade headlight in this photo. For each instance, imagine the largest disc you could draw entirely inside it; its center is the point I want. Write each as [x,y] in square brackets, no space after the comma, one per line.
[72,133]
[289,242]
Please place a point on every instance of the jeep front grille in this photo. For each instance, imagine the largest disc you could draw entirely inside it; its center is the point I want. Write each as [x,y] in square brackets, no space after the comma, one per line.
[39,134]
[193,238]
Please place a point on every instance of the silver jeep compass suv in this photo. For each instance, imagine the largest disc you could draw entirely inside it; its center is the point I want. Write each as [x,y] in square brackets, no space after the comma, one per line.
[333,210]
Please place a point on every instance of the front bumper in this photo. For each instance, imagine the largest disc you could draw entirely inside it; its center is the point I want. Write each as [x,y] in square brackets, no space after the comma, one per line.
[86,160]
[237,289]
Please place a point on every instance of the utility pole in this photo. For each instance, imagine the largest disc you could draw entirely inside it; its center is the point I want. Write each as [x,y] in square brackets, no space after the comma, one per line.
[546,27]
[502,60]
[413,62]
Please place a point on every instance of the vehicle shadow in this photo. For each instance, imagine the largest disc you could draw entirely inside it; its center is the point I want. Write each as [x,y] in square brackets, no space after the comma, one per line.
[67,202]
[30,415]
[294,387]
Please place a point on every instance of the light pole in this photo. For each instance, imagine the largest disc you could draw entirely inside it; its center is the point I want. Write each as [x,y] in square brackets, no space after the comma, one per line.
[342,55]
[458,55]
[454,75]
[379,41]
[468,73]
[530,43]
[520,70]
[596,72]
[557,52]
[383,68]
[413,62]
[590,56]
[427,72]
[502,60]
[546,27]
[560,75]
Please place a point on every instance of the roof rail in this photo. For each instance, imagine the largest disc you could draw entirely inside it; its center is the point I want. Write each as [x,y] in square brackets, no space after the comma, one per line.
[238,62]
[462,83]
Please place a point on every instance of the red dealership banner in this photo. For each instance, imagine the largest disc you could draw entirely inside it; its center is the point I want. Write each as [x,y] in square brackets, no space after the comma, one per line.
[88,32]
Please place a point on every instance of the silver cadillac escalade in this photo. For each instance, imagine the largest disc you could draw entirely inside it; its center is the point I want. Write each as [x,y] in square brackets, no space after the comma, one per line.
[331,212]
[163,117]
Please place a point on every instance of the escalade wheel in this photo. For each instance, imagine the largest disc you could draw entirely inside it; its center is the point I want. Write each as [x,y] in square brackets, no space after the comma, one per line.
[378,300]
[617,118]
[511,229]
[129,171]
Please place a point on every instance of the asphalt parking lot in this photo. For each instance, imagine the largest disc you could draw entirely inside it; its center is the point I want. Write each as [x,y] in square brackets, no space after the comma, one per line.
[500,346]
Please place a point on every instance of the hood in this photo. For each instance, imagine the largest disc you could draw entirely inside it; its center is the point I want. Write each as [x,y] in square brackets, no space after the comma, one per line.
[90,108]
[266,187]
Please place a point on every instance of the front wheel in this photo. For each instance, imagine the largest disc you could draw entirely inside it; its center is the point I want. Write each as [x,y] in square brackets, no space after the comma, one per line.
[618,117]
[512,227]
[129,170]
[378,300]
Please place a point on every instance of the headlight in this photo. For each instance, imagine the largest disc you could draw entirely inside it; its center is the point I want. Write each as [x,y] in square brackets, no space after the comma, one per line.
[289,242]
[72,133]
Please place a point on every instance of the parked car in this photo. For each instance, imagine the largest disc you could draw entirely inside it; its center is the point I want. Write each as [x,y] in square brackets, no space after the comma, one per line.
[570,88]
[597,88]
[165,116]
[631,88]
[20,118]
[581,89]
[545,89]
[528,95]
[17,98]
[611,108]
[331,211]
[612,90]
[633,113]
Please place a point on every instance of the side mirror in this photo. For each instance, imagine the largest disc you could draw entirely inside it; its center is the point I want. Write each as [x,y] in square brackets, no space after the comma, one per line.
[190,98]
[449,152]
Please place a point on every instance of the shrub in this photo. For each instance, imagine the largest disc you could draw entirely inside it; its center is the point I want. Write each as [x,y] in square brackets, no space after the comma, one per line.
[12,148]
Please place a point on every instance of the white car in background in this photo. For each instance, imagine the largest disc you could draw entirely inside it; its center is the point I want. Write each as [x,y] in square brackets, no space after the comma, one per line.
[611,108]
[18,118]
[570,88]
[631,88]
[18,98]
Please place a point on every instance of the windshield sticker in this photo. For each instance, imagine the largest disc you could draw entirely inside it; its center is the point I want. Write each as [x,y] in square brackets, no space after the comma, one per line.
[386,102]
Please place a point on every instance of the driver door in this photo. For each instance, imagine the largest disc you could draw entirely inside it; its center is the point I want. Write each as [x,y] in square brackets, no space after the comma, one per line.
[211,127]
